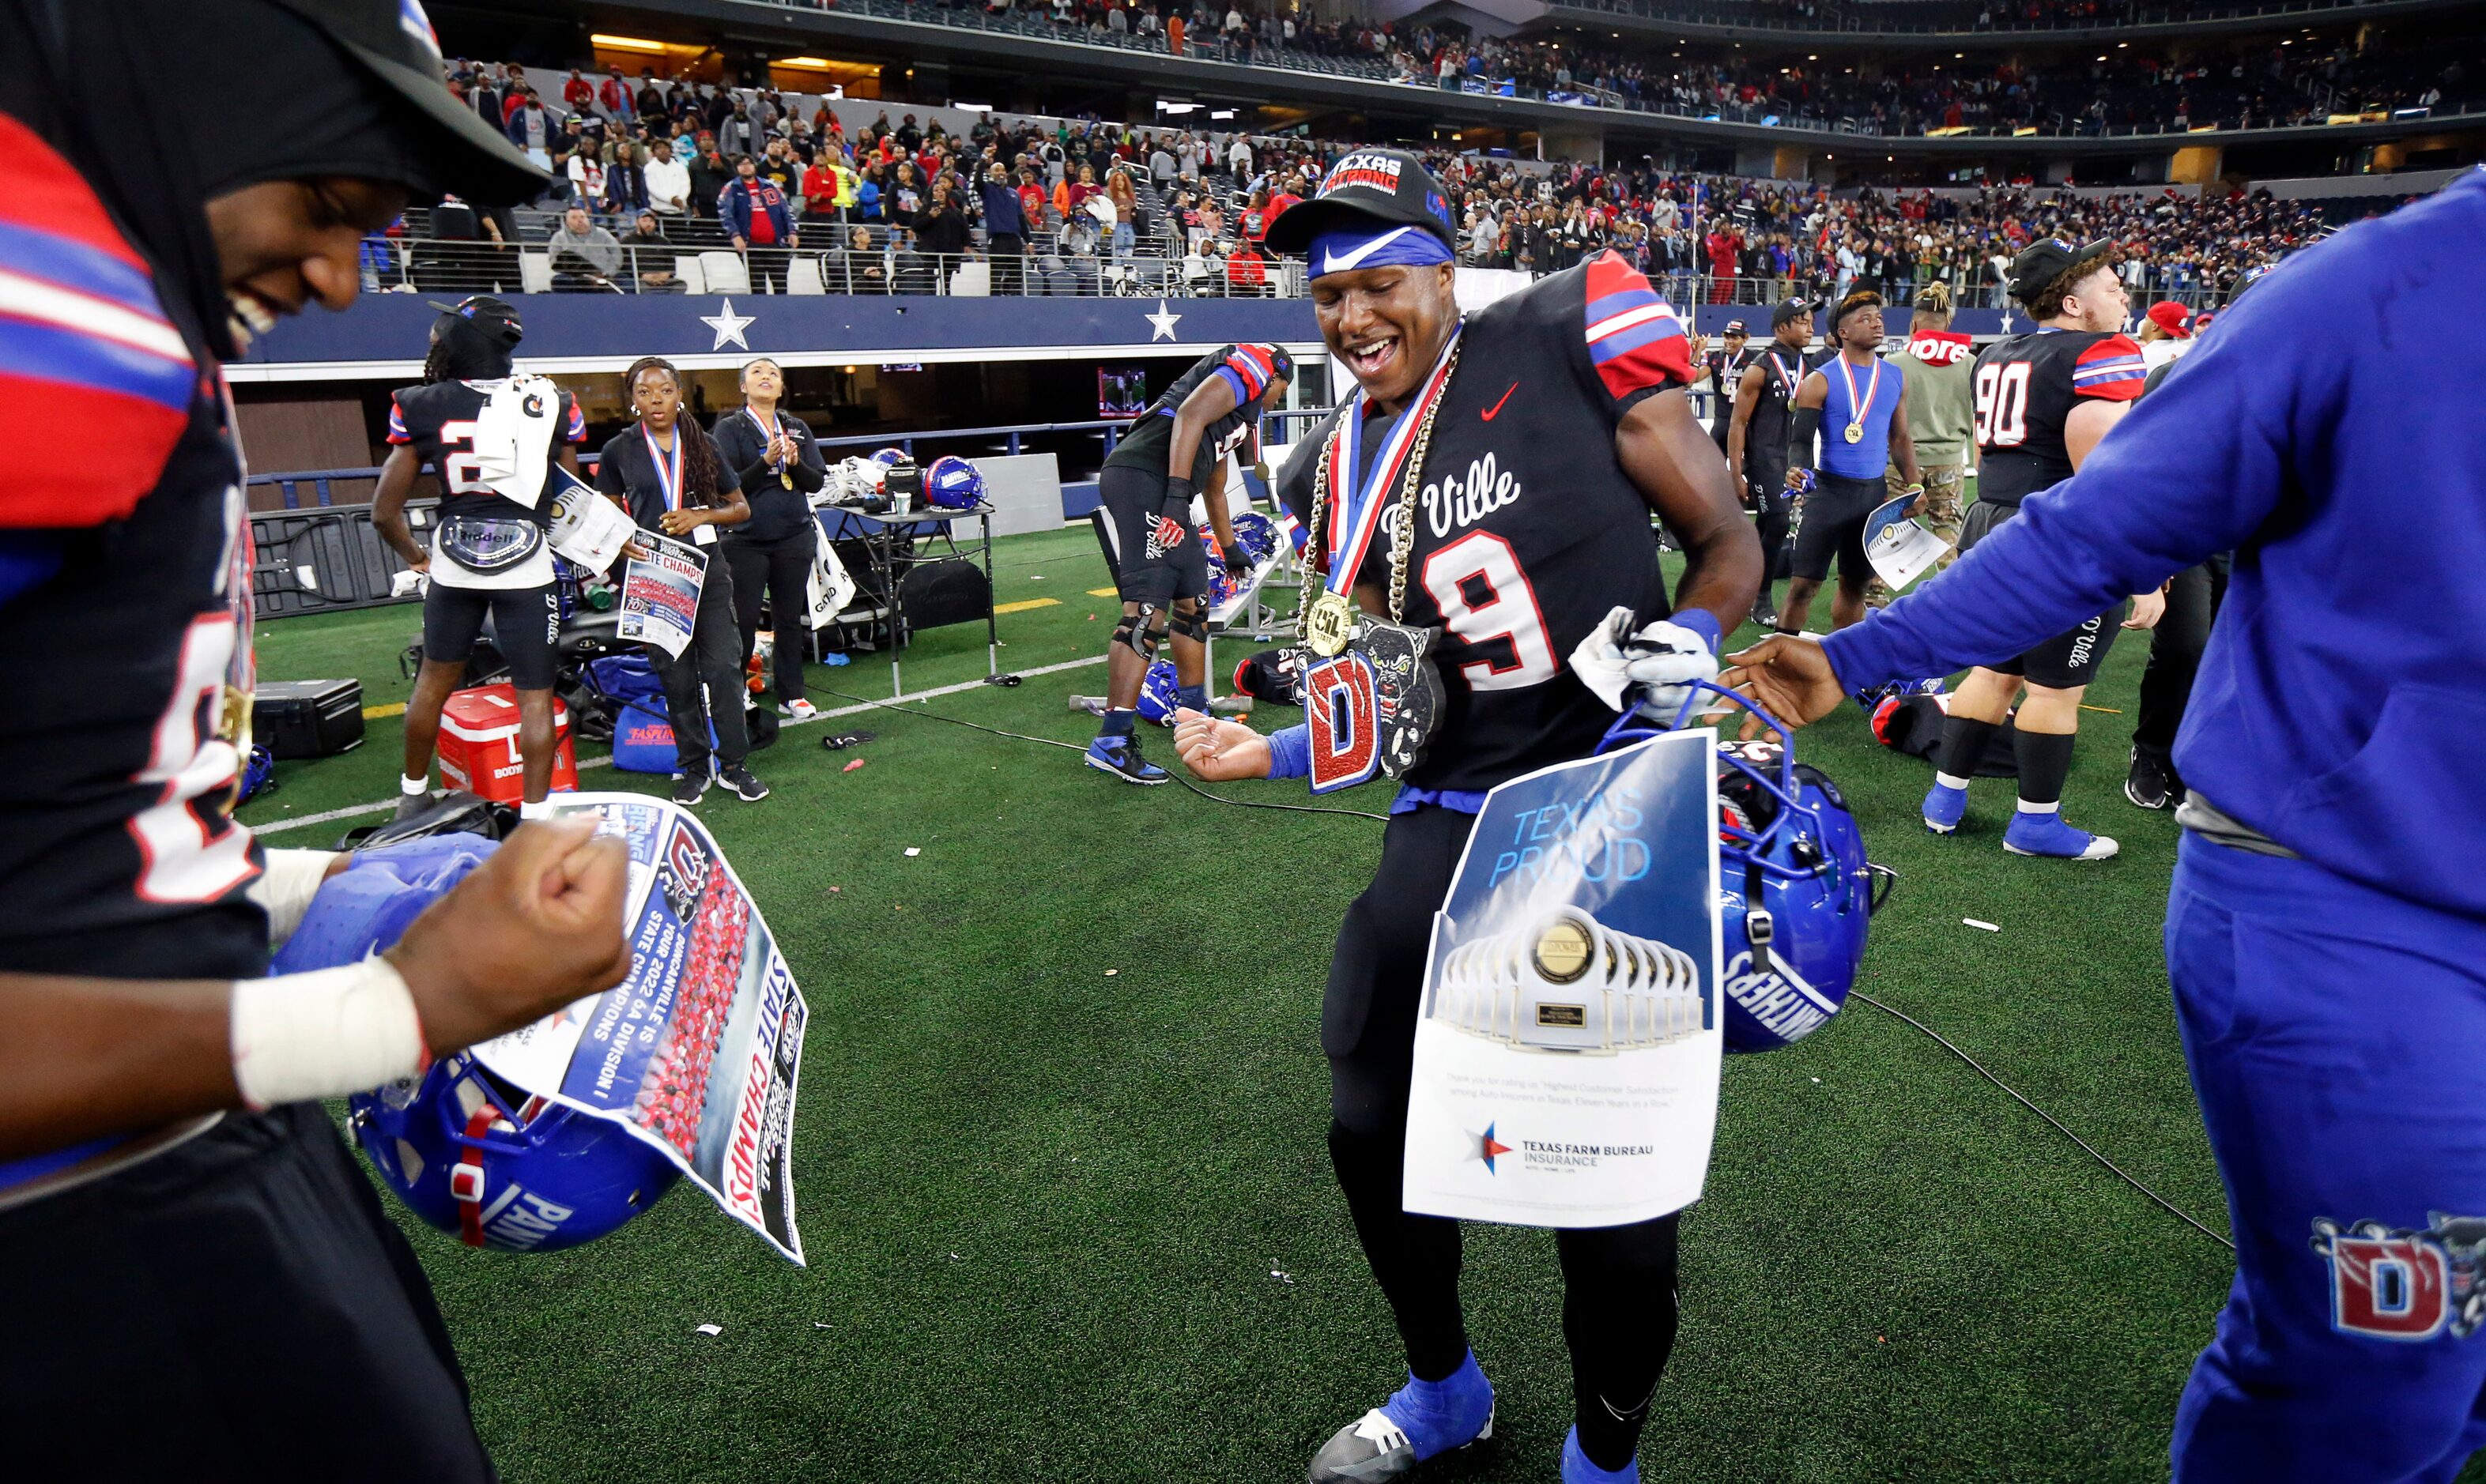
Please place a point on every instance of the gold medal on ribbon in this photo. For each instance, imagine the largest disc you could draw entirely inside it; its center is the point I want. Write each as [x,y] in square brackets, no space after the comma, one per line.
[1856,432]
[1329,623]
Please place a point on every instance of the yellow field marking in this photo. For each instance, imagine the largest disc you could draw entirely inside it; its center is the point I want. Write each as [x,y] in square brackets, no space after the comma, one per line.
[1103,592]
[2108,710]
[1026,604]
[374,713]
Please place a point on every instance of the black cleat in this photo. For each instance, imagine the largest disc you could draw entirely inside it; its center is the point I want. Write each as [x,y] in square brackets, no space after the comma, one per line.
[2151,783]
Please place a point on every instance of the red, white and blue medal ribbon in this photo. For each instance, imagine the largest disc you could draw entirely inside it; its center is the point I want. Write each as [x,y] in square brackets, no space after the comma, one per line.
[1356,511]
[669,467]
[1856,411]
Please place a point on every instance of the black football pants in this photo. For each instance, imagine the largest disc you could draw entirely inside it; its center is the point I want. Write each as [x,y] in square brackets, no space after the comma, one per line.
[780,571]
[1618,1308]
[704,683]
[2192,601]
[238,1307]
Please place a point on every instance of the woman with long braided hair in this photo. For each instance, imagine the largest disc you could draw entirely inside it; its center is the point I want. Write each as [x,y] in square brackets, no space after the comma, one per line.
[664,471]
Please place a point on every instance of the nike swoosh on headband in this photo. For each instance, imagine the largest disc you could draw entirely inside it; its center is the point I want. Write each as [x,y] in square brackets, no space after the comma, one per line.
[1335,261]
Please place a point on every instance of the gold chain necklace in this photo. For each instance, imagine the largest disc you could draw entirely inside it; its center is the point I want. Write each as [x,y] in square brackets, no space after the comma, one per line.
[1405,545]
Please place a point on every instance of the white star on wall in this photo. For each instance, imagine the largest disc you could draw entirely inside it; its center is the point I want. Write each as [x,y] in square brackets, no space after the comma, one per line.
[728,325]
[1162,323]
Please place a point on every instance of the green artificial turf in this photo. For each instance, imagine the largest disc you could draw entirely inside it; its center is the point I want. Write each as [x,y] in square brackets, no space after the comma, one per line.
[1062,1130]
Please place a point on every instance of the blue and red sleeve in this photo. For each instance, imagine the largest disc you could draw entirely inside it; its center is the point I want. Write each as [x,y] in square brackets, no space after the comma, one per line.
[573,426]
[397,433]
[2111,371]
[1248,370]
[1634,338]
[96,381]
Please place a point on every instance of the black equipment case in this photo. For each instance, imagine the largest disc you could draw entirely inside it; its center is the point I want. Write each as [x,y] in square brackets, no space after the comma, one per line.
[308,718]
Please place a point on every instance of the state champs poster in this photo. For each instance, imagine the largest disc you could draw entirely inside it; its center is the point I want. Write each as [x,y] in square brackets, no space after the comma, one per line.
[1568,1050]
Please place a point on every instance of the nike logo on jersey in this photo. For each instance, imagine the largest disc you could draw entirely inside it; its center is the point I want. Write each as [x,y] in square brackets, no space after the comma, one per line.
[1454,502]
[1348,262]
[1496,406]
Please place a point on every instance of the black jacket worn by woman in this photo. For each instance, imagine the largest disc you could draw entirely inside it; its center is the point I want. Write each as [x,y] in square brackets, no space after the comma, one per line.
[776,511]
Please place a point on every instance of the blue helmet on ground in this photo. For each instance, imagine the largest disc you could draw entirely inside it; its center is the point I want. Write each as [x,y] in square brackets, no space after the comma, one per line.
[892,455]
[953,485]
[1797,893]
[1159,692]
[466,1151]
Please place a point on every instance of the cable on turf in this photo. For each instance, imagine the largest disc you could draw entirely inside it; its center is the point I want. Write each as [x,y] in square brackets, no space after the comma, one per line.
[960,720]
[2177,1210]
[2085,1147]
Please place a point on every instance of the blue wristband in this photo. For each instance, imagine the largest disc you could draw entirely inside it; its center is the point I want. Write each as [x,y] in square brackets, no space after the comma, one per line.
[1702,622]
[1290,751]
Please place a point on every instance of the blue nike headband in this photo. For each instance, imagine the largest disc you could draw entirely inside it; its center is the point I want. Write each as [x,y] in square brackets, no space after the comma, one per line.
[1347,249]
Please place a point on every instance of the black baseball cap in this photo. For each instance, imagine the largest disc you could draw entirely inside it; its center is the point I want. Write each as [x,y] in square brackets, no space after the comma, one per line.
[1735,327]
[2049,259]
[395,41]
[1367,188]
[1791,309]
[496,317]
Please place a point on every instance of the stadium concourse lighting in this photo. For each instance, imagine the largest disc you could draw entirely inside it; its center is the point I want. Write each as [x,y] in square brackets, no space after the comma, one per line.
[815,63]
[626,43]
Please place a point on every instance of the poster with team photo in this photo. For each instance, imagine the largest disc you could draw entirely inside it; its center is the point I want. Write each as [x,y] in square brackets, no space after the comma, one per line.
[660,592]
[697,1051]
[1568,1049]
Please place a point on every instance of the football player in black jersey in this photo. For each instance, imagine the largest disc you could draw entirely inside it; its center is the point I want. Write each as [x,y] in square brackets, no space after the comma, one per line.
[1552,424]
[2043,400]
[1757,439]
[202,1284]
[437,423]
[1175,449]
[1723,370]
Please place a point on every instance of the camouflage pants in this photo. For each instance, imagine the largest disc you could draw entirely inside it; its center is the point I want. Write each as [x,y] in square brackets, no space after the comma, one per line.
[1941,515]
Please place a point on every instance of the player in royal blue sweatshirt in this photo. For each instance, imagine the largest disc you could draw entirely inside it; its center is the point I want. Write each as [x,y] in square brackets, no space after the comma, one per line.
[2325,930]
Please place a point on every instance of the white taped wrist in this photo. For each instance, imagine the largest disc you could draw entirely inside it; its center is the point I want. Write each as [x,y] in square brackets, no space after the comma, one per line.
[285,888]
[324,1033]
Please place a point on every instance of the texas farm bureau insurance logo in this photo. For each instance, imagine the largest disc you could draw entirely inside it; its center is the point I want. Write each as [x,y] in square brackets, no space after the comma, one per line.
[1551,1157]
[1374,172]
[2395,1283]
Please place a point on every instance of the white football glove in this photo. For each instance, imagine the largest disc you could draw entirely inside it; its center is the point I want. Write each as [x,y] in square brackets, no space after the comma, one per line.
[1652,670]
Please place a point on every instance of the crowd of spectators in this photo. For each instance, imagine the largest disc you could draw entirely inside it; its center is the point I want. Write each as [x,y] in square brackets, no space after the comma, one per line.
[2273,82]
[2264,83]
[643,171]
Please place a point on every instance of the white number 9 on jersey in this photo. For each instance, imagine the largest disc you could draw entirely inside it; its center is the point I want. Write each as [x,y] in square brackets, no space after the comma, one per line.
[2002,405]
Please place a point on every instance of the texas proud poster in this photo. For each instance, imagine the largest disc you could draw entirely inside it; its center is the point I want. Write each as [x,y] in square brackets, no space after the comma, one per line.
[1567,1054]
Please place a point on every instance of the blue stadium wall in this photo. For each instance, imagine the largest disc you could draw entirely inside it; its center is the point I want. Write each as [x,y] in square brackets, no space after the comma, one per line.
[582,332]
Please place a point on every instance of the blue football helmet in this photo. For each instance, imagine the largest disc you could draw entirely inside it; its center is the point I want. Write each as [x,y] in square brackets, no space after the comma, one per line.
[465,1150]
[1797,893]
[893,456]
[1158,694]
[953,485]
[1257,535]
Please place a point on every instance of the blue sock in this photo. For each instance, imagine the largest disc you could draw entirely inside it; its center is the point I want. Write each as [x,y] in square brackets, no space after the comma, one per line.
[1119,723]
[1579,1468]
[1195,697]
[1438,1415]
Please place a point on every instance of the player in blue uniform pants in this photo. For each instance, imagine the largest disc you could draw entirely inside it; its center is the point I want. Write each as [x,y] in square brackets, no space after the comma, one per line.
[202,1284]
[2326,931]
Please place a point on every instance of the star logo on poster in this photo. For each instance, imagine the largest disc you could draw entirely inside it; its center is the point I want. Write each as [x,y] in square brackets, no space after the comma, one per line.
[1162,323]
[1490,1148]
[728,325]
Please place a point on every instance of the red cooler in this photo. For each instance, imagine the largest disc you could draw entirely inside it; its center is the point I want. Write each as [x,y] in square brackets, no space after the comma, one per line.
[479,745]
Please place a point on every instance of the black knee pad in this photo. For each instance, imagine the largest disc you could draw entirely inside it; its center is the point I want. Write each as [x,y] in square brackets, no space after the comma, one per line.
[1134,632]
[1192,626]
